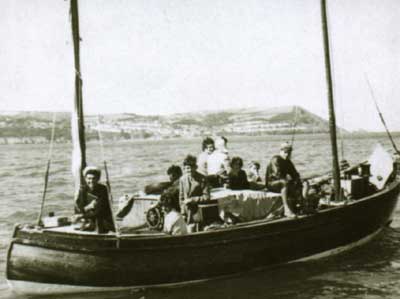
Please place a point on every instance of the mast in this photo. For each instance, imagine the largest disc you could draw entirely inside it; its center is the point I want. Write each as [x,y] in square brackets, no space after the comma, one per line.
[77,120]
[332,120]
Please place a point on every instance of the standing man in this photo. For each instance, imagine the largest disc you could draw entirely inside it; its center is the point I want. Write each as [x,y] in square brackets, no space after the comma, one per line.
[202,160]
[193,188]
[282,177]
[92,203]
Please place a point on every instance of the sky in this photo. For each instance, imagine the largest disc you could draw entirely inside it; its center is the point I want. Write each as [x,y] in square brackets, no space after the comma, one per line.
[174,56]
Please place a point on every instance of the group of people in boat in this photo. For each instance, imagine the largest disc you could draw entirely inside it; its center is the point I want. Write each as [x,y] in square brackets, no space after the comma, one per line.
[190,185]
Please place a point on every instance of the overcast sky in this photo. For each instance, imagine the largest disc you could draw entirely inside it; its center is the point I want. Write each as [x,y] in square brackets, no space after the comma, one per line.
[167,56]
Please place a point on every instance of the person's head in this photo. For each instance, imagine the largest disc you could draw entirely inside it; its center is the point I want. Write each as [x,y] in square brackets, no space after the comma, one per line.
[167,202]
[221,144]
[174,172]
[190,164]
[208,145]
[92,176]
[254,166]
[236,163]
[286,150]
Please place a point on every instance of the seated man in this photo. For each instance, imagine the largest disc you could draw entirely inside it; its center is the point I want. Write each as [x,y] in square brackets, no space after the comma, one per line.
[193,188]
[237,177]
[174,224]
[282,177]
[92,203]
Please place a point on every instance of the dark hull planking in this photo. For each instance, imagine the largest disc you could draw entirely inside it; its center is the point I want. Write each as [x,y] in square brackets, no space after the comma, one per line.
[102,261]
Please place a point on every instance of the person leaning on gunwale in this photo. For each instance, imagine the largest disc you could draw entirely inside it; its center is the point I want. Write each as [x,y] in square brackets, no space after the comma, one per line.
[193,188]
[282,177]
[92,203]
[174,172]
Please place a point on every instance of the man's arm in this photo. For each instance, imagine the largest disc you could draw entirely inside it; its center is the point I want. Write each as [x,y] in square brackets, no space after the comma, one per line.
[94,206]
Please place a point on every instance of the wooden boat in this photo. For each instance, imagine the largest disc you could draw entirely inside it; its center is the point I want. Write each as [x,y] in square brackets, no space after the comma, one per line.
[60,259]
[51,260]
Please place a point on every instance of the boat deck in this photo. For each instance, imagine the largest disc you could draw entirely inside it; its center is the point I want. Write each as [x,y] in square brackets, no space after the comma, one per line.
[248,205]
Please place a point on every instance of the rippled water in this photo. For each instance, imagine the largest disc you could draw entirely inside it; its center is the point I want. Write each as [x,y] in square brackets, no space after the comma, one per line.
[372,271]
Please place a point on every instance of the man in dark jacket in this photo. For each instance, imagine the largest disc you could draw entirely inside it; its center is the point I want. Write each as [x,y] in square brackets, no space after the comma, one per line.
[282,177]
[93,203]
[193,188]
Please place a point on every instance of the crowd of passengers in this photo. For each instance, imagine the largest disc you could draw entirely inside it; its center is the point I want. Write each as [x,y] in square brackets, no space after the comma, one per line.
[213,168]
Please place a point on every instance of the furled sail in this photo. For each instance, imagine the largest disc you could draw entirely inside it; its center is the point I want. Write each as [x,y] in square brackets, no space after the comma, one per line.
[77,120]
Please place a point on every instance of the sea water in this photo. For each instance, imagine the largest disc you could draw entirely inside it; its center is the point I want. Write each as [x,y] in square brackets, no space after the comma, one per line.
[371,271]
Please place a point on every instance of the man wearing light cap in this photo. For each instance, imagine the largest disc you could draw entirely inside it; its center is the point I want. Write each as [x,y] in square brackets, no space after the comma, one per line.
[92,202]
[282,177]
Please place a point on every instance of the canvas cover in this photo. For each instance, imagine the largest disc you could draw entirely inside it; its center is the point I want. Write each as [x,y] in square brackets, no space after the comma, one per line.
[247,205]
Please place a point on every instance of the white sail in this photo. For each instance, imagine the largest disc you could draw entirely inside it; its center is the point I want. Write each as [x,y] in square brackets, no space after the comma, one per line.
[76,158]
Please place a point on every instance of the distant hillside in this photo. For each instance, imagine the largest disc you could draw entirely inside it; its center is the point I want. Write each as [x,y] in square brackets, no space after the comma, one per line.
[32,127]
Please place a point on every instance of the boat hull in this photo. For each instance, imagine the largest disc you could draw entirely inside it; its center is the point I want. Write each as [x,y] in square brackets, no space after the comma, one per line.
[38,288]
[105,262]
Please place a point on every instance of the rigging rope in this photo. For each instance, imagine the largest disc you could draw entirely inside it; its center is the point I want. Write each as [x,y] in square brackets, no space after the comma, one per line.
[380,114]
[340,105]
[46,177]
[294,124]
[108,184]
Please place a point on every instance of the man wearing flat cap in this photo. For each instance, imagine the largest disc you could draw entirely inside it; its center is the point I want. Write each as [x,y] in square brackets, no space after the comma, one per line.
[282,177]
[92,203]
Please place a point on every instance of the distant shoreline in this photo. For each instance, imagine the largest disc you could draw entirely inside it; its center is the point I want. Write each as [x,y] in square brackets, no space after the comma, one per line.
[299,136]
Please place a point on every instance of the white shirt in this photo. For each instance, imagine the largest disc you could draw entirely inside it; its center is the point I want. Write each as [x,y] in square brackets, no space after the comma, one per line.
[217,162]
[202,163]
[174,224]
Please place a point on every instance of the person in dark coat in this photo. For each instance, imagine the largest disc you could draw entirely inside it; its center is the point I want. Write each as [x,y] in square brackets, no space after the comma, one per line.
[92,203]
[282,177]
[237,177]
[193,188]
[174,172]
